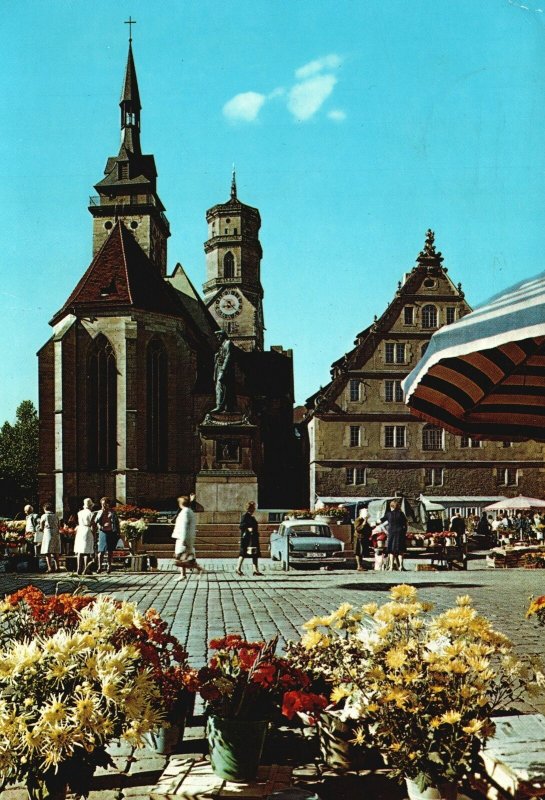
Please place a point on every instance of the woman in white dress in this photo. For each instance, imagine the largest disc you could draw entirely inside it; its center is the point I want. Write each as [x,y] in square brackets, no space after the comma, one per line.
[84,542]
[51,542]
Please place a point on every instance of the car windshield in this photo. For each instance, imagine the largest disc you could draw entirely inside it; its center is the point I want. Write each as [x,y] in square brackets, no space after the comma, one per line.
[311,530]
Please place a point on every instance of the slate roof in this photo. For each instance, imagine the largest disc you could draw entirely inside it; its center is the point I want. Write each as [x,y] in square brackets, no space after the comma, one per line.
[121,277]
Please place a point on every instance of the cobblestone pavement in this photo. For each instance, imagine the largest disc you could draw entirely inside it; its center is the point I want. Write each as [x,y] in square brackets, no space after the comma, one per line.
[218,602]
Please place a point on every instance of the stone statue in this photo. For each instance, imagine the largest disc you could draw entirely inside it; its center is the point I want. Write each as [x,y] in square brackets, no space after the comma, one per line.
[223,369]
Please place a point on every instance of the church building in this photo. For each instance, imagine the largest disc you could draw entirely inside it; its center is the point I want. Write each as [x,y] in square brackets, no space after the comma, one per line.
[126,380]
[362,440]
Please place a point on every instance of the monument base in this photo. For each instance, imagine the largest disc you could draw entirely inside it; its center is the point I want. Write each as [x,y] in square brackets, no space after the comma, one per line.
[224,494]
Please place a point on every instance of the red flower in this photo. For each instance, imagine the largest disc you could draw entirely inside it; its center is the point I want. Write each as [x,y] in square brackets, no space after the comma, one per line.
[306,702]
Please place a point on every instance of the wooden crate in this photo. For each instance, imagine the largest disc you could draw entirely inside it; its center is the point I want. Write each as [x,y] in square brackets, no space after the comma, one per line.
[514,758]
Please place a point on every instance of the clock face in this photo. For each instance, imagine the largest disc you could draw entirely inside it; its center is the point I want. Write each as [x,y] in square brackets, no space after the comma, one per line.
[229,304]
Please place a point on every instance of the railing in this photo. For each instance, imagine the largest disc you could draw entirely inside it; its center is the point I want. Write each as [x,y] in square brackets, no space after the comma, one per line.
[121,207]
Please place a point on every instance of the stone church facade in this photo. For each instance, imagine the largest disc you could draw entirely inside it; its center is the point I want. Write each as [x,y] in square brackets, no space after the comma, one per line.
[362,440]
[126,379]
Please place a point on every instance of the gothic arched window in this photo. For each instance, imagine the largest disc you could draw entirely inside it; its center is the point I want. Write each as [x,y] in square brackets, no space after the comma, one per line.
[228,266]
[157,405]
[429,317]
[101,401]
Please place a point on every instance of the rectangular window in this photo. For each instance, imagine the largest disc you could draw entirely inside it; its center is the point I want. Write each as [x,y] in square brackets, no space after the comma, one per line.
[467,441]
[409,315]
[432,438]
[394,436]
[361,476]
[355,435]
[393,392]
[354,390]
[394,353]
[451,314]
[350,472]
[433,476]
[510,477]
[389,352]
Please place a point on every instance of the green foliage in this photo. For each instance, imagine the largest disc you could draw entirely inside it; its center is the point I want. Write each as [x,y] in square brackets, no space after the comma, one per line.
[19,451]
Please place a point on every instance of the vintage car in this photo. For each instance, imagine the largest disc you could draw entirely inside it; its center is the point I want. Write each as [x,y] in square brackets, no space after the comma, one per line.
[304,542]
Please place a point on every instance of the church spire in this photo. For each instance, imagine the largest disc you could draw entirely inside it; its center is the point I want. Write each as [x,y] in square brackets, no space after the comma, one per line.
[234,185]
[130,107]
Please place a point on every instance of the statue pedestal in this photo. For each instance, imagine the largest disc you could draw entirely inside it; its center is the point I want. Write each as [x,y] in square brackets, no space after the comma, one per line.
[230,464]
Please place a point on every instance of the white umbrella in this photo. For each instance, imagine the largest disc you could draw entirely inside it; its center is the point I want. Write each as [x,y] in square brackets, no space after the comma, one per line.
[519,503]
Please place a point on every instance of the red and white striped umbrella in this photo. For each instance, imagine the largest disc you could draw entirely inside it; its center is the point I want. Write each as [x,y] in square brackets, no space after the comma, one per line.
[484,375]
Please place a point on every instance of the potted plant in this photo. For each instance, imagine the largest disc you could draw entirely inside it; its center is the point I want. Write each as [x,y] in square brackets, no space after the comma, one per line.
[427,687]
[132,531]
[330,514]
[242,685]
[67,693]
[326,654]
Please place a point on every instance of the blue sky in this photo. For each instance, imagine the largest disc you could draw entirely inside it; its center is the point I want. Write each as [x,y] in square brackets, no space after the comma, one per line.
[354,124]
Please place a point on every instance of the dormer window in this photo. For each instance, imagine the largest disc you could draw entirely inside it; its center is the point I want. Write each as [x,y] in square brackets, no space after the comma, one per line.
[122,170]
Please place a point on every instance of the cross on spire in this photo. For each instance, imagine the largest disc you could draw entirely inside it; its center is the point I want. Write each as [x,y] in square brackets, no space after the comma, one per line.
[130,22]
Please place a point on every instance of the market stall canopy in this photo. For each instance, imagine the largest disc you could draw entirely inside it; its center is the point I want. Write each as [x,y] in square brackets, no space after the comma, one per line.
[519,503]
[431,505]
[484,375]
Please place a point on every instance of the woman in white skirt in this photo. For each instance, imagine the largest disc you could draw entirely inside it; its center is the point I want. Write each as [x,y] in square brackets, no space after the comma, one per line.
[84,542]
[51,542]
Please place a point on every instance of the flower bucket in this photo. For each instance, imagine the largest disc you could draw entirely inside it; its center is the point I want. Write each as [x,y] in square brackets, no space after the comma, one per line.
[334,738]
[447,791]
[168,739]
[235,747]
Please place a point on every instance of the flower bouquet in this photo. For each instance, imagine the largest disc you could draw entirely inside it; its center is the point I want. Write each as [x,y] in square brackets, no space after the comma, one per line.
[427,687]
[537,609]
[333,512]
[326,653]
[65,696]
[133,674]
[132,531]
[242,685]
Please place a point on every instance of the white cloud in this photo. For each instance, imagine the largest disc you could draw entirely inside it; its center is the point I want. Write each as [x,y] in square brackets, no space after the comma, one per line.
[307,97]
[332,61]
[244,107]
[337,115]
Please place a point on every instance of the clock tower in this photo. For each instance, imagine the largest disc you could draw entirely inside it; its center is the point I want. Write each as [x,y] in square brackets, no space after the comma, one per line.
[233,291]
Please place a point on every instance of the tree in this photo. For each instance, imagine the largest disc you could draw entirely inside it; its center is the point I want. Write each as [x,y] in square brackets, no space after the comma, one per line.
[19,455]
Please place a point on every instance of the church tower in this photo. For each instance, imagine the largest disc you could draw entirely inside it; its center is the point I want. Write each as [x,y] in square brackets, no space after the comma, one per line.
[128,192]
[233,291]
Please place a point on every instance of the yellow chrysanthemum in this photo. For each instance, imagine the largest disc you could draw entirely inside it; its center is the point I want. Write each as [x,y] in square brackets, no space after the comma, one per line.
[473,726]
[360,737]
[396,658]
[403,592]
[451,717]
[339,693]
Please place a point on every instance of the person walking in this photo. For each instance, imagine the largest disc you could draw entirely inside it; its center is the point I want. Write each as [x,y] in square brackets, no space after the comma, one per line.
[84,541]
[33,536]
[108,533]
[397,535]
[185,531]
[249,540]
[51,540]
[362,533]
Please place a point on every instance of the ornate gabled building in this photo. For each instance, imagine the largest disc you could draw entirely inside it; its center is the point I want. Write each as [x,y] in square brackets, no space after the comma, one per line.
[126,380]
[362,439]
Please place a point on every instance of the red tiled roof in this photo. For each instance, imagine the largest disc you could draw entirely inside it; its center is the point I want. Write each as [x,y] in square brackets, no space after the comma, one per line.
[122,275]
